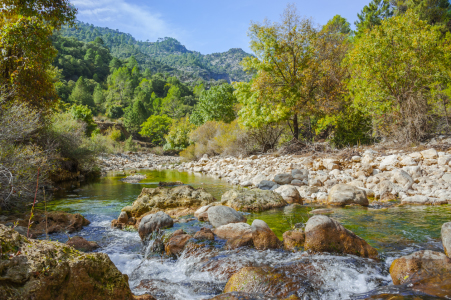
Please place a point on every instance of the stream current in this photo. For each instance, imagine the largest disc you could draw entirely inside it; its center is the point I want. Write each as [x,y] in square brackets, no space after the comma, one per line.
[394,232]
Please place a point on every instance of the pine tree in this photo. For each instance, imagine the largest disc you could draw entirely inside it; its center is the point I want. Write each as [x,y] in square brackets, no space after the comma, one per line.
[134,116]
[372,15]
[80,94]
[98,96]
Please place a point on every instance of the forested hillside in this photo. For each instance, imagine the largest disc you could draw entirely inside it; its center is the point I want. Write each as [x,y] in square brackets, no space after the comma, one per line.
[166,55]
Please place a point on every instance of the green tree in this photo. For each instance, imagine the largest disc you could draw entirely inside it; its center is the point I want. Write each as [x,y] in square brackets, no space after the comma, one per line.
[172,104]
[216,104]
[372,15]
[81,94]
[84,114]
[98,95]
[134,116]
[178,136]
[156,127]
[339,24]
[394,68]
[120,87]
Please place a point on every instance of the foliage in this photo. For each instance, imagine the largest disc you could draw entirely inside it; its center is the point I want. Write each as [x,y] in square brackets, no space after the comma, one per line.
[216,104]
[80,94]
[178,136]
[84,114]
[130,145]
[339,24]
[134,116]
[156,127]
[394,67]
[114,134]
[372,15]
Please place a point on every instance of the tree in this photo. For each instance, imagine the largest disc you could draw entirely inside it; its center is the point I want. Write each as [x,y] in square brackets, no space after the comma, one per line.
[372,15]
[178,135]
[98,96]
[339,24]
[394,68]
[134,116]
[26,50]
[216,104]
[286,67]
[172,104]
[434,12]
[80,94]
[156,127]
[120,87]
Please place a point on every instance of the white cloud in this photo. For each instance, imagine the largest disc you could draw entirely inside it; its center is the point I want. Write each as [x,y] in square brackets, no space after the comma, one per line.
[139,21]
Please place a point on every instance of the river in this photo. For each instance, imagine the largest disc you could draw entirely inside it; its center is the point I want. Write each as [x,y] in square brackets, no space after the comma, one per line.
[393,232]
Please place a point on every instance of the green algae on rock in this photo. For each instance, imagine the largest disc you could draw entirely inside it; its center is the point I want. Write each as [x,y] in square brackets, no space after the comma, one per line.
[252,200]
[33,269]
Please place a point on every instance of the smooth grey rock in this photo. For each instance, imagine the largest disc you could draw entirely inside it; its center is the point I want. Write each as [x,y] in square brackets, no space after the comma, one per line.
[266,185]
[154,222]
[300,174]
[298,182]
[283,179]
[344,194]
[275,187]
[20,229]
[223,215]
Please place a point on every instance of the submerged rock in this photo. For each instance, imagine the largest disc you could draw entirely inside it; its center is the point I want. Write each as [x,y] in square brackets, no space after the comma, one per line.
[446,238]
[293,240]
[223,215]
[80,244]
[170,183]
[134,178]
[36,269]
[263,237]
[262,280]
[154,222]
[242,296]
[324,234]
[163,199]
[252,200]
[345,194]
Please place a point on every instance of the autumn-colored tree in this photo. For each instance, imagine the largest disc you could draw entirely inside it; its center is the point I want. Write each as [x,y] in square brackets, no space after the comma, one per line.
[26,52]
[394,68]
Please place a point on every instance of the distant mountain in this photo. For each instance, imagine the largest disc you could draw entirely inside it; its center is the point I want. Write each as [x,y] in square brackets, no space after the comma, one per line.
[166,55]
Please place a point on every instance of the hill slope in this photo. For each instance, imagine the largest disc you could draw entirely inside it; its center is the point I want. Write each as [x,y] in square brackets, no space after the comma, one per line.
[166,55]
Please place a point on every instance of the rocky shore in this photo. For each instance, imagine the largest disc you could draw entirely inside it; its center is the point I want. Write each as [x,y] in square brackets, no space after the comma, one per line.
[411,176]
[135,160]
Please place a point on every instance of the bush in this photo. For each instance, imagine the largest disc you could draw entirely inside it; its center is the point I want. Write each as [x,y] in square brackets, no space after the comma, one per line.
[83,113]
[114,134]
[130,145]
[156,127]
[178,136]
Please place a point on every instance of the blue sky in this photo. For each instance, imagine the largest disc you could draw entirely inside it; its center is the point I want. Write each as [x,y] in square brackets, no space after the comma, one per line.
[206,26]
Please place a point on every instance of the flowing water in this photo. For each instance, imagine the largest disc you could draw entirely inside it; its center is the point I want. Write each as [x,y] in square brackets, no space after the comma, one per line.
[201,274]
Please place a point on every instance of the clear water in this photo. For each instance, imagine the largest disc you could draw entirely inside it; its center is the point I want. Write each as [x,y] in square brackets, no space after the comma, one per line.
[203,273]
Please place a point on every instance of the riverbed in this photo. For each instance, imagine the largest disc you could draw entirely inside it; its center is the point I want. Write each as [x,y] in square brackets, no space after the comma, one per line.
[393,232]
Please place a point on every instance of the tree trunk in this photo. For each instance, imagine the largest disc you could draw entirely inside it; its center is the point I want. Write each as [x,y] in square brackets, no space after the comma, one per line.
[295,127]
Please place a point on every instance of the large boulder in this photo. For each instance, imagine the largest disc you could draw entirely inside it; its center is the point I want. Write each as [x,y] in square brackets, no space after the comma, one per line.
[402,269]
[252,200]
[154,222]
[263,237]
[324,234]
[162,199]
[283,179]
[345,194]
[446,238]
[37,269]
[223,215]
[289,193]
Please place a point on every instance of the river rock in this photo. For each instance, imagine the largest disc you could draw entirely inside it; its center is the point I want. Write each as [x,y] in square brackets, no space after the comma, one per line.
[283,179]
[232,230]
[202,213]
[289,193]
[446,238]
[204,234]
[263,237]
[123,218]
[266,185]
[134,178]
[345,194]
[426,262]
[223,215]
[324,234]
[300,174]
[321,211]
[39,269]
[154,222]
[242,296]
[163,199]
[176,244]
[80,244]
[429,154]
[403,179]
[293,240]
[262,280]
[252,200]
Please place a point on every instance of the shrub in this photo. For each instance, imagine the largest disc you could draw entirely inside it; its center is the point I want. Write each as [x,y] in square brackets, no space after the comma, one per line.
[114,134]
[83,113]
[178,136]
[130,145]
[156,127]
